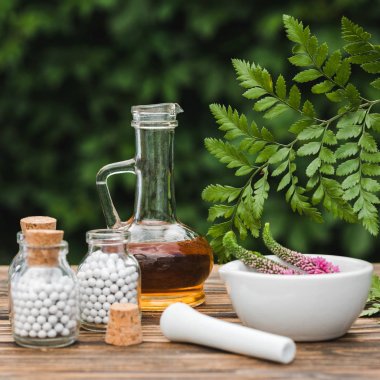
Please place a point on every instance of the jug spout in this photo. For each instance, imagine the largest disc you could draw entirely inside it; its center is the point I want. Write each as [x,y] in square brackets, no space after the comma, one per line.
[152,116]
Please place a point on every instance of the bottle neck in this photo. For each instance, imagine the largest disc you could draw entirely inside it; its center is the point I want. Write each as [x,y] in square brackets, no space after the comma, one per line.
[155,199]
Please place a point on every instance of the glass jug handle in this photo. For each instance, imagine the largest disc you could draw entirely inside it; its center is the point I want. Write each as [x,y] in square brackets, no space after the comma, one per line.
[110,213]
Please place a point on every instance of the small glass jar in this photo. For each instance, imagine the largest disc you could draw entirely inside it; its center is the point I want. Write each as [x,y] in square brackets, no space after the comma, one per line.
[106,275]
[44,298]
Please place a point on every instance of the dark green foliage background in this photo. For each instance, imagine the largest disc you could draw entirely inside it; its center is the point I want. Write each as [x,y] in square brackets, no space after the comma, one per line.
[71,69]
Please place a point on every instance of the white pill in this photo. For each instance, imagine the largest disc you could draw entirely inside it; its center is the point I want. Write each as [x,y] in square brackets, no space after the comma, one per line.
[97,305]
[53,319]
[93,313]
[106,306]
[64,319]
[105,320]
[54,296]
[93,298]
[104,274]
[47,302]
[29,304]
[36,327]
[107,283]
[122,272]
[113,256]
[93,264]
[88,291]
[51,333]
[84,297]
[71,324]
[130,270]
[133,300]
[106,291]
[41,319]
[58,327]
[124,289]
[134,292]
[128,280]
[129,295]
[59,313]
[114,277]
[97,272]
[132,285]
[48,288]
[42,295]
[46,326]
[97,291]
[53,309]
[58,287]
[91,281]
[26,311]
[38,304]
[119,295]
[27,326]
[86,311]
[65,332]
[102,298]
[67,309]
[111,298]
[44,311]
[33,296]
[124,300]
[90,319]
[102,313]
[34,312]
[32,333]
[99,283]
[22,318]
[41,334]
[60,305]
[23,333]
[98,320]
[120,282]
[134,276]
[30,319]
[81,275]
[63,296]
[114,288]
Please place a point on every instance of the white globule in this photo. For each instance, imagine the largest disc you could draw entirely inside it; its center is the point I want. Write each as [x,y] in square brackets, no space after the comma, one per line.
[104,279]
[39,309]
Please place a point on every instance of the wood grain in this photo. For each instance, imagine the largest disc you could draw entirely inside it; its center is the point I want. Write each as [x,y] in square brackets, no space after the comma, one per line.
[354,356]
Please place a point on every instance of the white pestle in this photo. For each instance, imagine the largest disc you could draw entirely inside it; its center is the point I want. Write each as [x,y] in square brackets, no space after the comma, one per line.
[181,323]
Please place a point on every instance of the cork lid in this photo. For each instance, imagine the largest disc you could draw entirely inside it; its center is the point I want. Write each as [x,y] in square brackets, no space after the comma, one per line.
[43,246]
[38,223]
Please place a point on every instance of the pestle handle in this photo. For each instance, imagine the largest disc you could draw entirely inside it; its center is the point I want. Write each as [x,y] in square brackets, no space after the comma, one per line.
[181,323]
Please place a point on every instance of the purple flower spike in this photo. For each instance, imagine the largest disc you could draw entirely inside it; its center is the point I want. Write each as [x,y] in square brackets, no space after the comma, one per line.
[310,265]
[254,259]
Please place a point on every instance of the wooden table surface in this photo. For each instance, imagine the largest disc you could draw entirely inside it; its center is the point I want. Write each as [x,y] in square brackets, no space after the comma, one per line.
[354,356]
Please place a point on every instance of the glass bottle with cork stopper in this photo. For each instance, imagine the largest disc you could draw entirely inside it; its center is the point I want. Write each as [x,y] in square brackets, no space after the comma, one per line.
[106,275]
[175,261]
[28,223]
[44,295]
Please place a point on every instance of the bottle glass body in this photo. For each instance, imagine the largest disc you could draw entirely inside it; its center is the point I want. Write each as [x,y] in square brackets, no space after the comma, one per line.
[106,275]
[44,299]
[175,261]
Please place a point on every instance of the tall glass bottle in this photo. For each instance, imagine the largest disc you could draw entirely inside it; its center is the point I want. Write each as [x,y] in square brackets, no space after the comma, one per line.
[175,261]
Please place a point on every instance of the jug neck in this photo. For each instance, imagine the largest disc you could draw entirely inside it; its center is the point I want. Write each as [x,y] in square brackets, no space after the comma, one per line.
[155,199]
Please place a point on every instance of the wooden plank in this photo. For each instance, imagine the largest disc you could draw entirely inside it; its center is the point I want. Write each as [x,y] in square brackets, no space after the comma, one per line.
[354,356]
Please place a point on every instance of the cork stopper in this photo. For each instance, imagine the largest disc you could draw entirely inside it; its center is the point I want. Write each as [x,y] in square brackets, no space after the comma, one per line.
[38,223]
[42,247]
[124,325]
